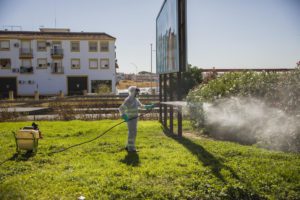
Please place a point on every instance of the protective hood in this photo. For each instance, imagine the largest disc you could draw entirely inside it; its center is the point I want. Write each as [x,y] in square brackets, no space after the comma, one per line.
[133,90]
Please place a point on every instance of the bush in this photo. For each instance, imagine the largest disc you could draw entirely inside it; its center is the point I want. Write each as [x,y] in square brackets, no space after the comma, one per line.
[288,92]
[191,78]
[268,94]
[239,84]
[246,84]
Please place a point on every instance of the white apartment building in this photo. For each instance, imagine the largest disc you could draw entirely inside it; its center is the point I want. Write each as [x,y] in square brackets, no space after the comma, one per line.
[51,61]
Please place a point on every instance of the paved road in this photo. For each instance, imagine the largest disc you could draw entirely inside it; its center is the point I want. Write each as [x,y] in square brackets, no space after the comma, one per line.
[23,109]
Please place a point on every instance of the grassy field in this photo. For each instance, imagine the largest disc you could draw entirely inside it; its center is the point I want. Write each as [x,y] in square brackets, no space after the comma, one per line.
[165,168]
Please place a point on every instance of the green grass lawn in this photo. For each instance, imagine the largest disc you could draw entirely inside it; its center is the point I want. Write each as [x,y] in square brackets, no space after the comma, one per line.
[165,168]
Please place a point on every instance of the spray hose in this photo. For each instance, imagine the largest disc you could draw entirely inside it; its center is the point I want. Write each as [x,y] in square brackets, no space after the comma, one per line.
[102,134]
[91,140]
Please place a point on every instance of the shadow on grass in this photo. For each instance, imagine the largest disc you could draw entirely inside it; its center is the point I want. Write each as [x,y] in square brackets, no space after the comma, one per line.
[208,159]
[25,156]
[19,157]
[131,159]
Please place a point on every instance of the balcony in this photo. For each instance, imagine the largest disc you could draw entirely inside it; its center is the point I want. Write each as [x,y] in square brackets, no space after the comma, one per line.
[25,53]
[26,70]
[57,53]
[57,68]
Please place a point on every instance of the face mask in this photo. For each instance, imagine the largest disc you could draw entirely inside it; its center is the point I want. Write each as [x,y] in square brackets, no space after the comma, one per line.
[137,92]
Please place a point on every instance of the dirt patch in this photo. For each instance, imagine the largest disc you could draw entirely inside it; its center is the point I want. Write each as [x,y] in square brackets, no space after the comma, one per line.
[195,135]
[124,84]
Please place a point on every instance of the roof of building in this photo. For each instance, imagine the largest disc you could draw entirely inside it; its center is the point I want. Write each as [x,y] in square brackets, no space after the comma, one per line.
[54,29]
[55,34]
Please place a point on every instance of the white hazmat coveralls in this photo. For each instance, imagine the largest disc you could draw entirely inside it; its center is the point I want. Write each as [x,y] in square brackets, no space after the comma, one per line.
[130,108]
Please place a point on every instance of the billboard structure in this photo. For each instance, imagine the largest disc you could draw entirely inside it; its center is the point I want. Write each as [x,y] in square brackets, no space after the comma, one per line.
[171,54]
[169,36]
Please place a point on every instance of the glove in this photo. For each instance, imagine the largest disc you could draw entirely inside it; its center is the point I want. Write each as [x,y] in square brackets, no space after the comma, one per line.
[125,117]
[149,107]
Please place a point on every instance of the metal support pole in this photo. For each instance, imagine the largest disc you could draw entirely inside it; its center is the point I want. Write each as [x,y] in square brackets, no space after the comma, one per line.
[171,99]
[179,98]
[182,56]
[165,99]
[160,98]
[151,70]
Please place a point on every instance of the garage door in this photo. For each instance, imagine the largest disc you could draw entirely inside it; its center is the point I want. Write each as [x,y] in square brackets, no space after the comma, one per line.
[76,85]
[7,84]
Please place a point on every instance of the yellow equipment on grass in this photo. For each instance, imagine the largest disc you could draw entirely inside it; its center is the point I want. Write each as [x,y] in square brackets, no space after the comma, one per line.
[27,139]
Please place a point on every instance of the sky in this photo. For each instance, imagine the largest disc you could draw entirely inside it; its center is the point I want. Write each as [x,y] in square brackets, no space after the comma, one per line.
[221,33]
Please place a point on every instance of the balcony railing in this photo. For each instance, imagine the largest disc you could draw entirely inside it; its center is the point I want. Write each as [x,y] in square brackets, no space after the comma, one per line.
[57,68]
[26,53]
[26,70]
[57,53]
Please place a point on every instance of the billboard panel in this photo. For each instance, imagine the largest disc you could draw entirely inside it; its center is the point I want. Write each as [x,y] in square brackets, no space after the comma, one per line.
[167,38]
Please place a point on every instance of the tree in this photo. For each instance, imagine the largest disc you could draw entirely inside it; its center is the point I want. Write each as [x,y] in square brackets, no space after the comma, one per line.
[191,78]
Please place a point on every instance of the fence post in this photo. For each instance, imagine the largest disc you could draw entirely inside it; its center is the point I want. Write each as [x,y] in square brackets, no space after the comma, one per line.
[165,120]
[179,98]
[171,85]
[160,98]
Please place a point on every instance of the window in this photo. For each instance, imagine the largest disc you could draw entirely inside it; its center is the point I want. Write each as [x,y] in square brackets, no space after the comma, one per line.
[93,46]
[101,86]
[93,63]
[75,63]
[26,66]
[56,44]
[26,44]
[26,62]
[75,47]
[104,46]
[5,63]
[41,45]
[42,63]
[104,63]
[57,63]
[57,50]
[57,67]
[4,45]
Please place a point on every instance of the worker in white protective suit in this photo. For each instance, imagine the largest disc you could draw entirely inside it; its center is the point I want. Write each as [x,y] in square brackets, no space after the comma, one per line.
[129,112]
